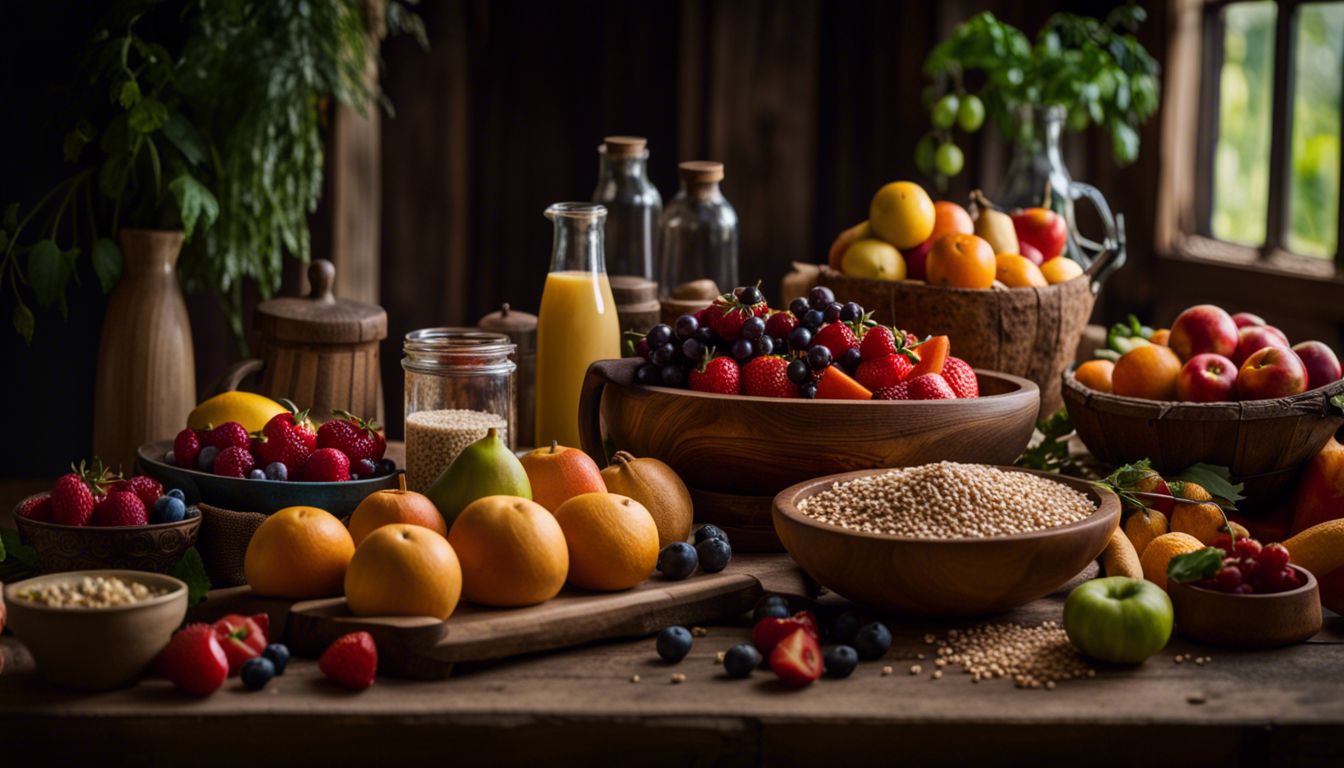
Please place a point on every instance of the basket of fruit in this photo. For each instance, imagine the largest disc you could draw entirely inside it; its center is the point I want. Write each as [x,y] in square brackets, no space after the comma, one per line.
[743,401]
[1000,286]
[1214,388]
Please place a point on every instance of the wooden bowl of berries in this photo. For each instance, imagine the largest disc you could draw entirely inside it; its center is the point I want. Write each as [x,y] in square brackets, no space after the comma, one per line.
[92,519]
[744,401]
[288,463]
[1243,596]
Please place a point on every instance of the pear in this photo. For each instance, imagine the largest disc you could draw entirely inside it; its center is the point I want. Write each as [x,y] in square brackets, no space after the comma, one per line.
[485,468]
[994,226]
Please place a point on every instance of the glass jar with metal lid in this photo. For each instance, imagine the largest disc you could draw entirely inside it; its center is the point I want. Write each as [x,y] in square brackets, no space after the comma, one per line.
[459,384]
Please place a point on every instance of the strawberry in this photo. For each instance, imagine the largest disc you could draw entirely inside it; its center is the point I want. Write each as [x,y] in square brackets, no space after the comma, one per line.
[36,508]
[186,447]
[351,661]
[796,659]
[881,372]
[729,311]
[327,465]
[961,377]
[147,488]
[882,341]
[930,386]
[720,375]
[241,638]
[121,508]
[71,501]
[228,435]
[767,376]
[288,438]
[353,436]
[779,324]
[194,660]
[837,337]
[769,631]
[234,462]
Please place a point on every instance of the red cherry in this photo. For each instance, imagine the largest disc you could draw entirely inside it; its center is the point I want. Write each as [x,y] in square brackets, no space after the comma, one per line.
[1247,547]
[1280,580]
[1223,542]
[1228,578]
[1244,589]
[1273,557]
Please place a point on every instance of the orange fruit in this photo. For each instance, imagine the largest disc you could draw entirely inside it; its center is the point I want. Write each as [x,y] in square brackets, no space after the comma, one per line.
[299,553]
[902,213]
[1095,374]
[1160,336]
[1143,526]
[512,551]
[558,473]
[961,261]
[950,219]
[612,541]
[1160,551]
[403,570]
[1203,521]
[1149,371]
[1060,269]
[394,506]
[1017,271]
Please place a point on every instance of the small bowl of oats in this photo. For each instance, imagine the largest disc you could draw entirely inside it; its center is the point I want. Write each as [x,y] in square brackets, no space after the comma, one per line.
[95,630]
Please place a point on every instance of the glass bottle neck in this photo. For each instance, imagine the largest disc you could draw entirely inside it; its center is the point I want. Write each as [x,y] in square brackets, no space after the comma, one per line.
[628,166]
[1039,129]
[579,234]
[700,191]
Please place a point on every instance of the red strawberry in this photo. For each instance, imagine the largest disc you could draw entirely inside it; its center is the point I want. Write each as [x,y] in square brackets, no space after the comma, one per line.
[878,342]
[228,435]
[961,377]
[122,508]
[351,661]
[186,447]
[769,631]
[234,462]
[728,312]
[71,501]
[327,465]
[881,372]
[930,386]
[837,337]
[288,438]
[767,376]
[720,375]
[796,659]
[36,508]
[241,638]
[353,436]
[194,661]
[147,488]
[779,324]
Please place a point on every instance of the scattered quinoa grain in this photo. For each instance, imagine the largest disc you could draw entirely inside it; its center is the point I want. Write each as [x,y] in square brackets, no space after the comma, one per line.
[719,657]
[1032,657]
[886,671]
[937,674]
[634,678]
[678,678]
[699,631]
[916,669]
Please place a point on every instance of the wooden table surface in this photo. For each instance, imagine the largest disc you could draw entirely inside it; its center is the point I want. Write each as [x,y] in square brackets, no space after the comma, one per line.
[1278,707]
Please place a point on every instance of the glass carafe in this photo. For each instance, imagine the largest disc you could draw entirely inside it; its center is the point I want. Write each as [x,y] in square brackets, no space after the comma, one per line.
[577,323]
[697,236]
[633,206]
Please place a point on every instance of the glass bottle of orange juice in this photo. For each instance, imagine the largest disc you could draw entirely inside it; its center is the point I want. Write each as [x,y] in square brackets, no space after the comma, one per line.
[577,324]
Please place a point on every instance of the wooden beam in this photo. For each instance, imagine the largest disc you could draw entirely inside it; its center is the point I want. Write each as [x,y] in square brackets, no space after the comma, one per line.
[356,195]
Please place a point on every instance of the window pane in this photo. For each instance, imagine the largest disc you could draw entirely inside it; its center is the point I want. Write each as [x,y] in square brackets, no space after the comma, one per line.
[1313,203]
[1245,99]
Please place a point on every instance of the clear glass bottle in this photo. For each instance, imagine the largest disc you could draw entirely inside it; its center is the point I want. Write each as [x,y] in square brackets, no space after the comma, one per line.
[577,324]
[633,206]
[697,235]
[459,383]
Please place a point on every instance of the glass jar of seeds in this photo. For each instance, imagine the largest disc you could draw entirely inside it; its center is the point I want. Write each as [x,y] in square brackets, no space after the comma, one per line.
[459,384]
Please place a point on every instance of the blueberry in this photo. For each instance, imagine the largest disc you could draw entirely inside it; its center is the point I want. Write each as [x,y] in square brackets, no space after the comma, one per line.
[800,338]
[752,328]
[741,659]
[662,354]
[813,319]
[798,371]
[686,326]
[799,307]
[714,554]
[770,607]
[709,532]
[840,661]
[646,374]
[692,349]
[764,345]
[851,359]
[672,375]
[677,560]
[673,643]
[820,296]
[177,493]
[844,628]
[364,468]
[658,335]
[278,654]
[385,467]
[809,391]
[832,312]
[277,471]
[257,672]
[751,295]
[256,474]
[743,349]
[851,312]
[819,357]
[205,460]
[168,509]
[872,641]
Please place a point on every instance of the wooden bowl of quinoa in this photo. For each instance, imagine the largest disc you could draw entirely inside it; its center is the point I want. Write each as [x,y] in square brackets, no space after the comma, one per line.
[95,630]
[945,539]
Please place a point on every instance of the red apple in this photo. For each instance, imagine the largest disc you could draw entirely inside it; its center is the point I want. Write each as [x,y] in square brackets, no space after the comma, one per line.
[1030,253]
[1243,319]
[1042,229]
[1203,328]
[1321,363]
[916,259]
[1253,338]
[1271,372]
[1207,378]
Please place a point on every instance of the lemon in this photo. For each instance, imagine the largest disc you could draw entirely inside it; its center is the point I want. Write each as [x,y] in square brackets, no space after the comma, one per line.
[873,259]
[247,408]
[1060,269]
[902,213]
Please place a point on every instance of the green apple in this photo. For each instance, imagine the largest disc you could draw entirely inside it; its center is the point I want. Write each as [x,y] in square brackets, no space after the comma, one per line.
[1118,619]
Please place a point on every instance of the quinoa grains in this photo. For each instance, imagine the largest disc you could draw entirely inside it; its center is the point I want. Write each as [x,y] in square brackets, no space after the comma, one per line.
[1033,657]
[92,592]
[435,438]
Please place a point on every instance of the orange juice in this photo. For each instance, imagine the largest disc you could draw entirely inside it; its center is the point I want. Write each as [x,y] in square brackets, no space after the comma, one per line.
[576,326]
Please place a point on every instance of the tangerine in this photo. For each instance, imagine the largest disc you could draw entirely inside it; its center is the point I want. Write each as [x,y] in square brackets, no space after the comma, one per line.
[1149,371]
[299,553]
[1060,269]
[1095,374]
[612,541]
[404,570]
[1017,271]
[949,219]
[961,261]
[512,551]
[1159,552]
[394,506]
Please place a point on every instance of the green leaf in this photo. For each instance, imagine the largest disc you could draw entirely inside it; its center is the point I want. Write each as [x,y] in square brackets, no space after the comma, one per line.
[191,569]
[1195,566]
[15,549]
[1125,143]
[185,137]
[107,262]
[1216,480]
[129,95]
[24,322]
[195,203]
[112,174]
[147,116]
[46,267]
[76,139]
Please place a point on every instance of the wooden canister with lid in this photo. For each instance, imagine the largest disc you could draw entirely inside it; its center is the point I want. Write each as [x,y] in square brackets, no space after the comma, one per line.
[521,328]
[636,303]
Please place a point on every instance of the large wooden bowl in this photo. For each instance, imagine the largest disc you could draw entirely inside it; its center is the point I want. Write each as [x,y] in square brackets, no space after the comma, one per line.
[1247,621]
[736,452]
[942,577]
[1264,443]
[1027,332]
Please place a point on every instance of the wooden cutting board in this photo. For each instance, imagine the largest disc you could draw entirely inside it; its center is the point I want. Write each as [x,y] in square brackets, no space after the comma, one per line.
[423,648]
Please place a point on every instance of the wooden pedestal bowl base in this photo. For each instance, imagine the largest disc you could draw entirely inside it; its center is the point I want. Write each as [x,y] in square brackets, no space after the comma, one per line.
[1247,621]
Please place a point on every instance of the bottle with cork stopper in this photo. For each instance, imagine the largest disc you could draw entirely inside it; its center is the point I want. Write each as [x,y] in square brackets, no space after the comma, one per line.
[697,235]
[633,206]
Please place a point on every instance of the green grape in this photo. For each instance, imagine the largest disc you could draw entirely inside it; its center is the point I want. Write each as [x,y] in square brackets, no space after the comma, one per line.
[949,159]
[971,114]
[924,152]
[945,111]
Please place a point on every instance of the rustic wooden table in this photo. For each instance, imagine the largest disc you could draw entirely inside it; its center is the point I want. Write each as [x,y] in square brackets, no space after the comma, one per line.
[1278,707]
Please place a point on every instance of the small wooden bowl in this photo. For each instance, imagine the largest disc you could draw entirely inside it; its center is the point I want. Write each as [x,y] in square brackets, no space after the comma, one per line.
[1263,442]
[152,548]
[942,577]
[96,649]
[1247,621]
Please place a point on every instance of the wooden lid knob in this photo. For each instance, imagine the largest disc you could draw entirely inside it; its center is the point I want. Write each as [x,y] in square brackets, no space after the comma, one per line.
[322,276]
[624,146]
[508,320]
[701,171]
